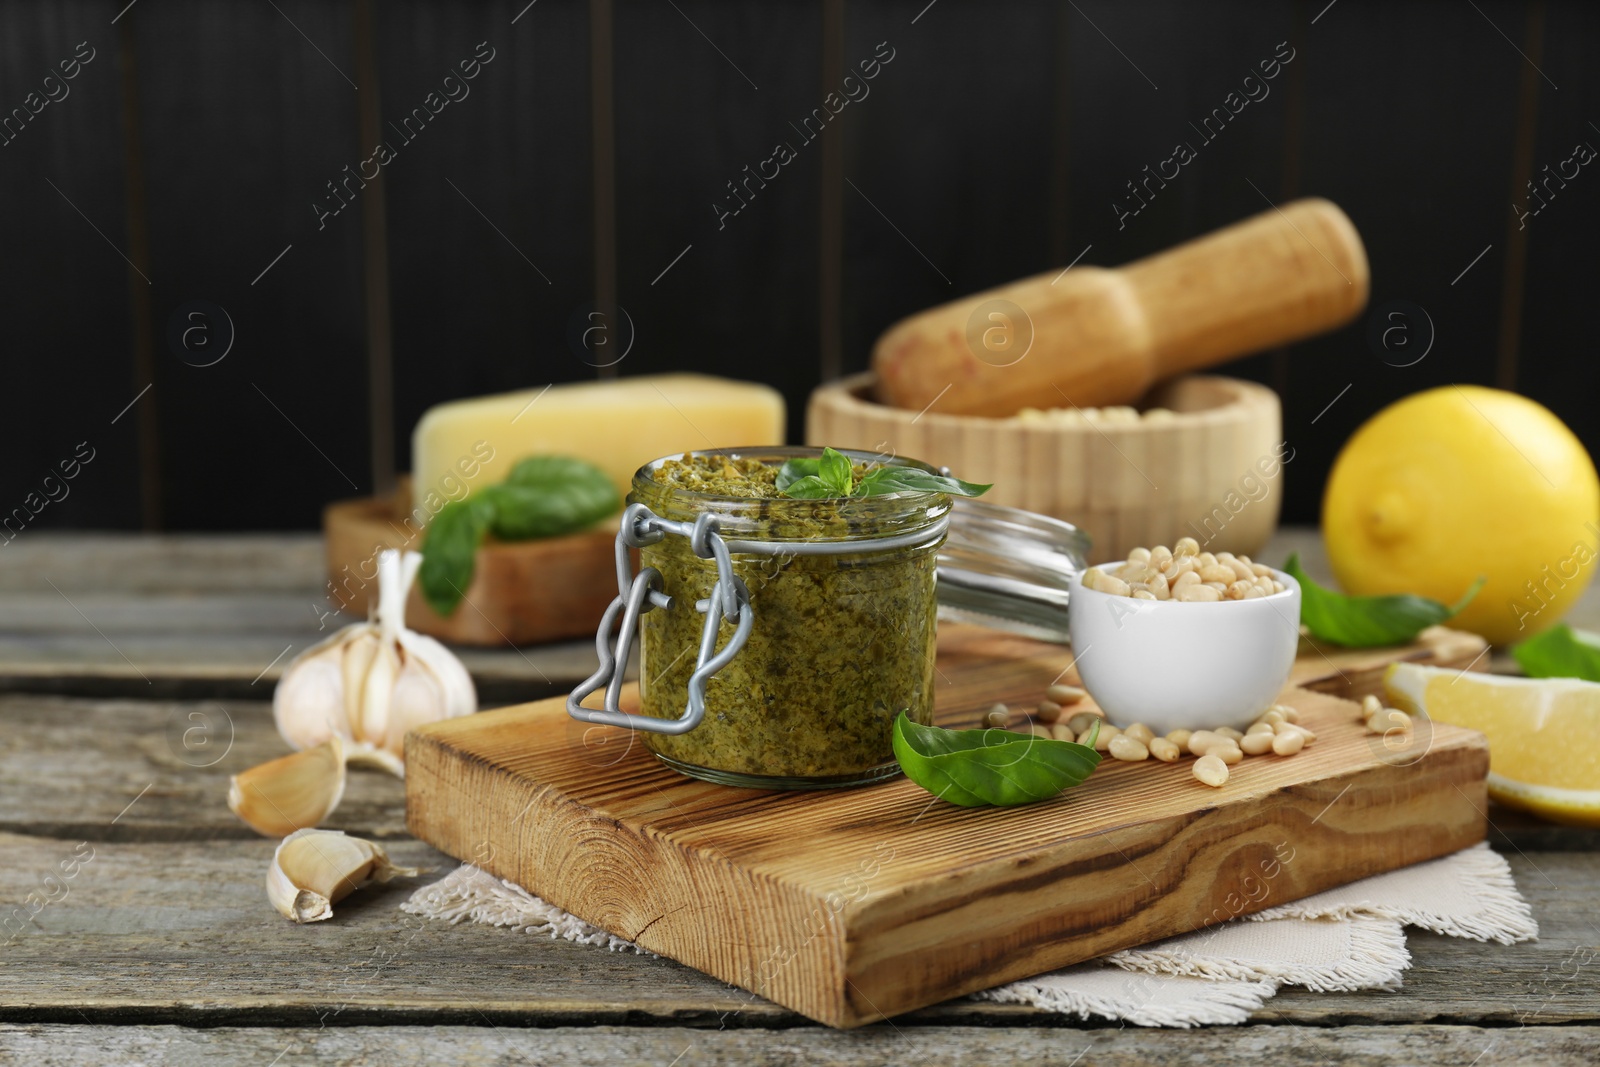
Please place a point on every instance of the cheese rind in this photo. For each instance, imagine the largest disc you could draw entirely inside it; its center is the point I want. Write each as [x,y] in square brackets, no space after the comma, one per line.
[618,425]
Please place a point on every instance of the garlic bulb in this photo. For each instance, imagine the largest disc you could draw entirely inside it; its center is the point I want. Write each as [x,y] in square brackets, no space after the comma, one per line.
[313,868]
[292,792]
[372,681]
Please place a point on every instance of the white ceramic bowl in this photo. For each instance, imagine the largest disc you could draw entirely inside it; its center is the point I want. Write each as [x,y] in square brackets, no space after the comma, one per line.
[1172,665]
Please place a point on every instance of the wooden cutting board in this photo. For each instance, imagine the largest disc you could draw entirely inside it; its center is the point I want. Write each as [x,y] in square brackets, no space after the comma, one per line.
[855,905]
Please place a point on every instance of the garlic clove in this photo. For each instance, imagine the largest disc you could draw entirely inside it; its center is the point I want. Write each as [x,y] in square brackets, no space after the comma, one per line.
[311,869]
[356,664]
[418,698]
[291,793]
[378,692]
[308,704]
[366,754]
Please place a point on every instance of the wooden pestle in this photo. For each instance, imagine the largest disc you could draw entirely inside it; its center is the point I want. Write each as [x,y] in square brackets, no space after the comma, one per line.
[1092,336]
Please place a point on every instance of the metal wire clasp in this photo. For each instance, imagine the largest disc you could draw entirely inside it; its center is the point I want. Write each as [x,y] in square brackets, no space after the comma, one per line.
[638,594]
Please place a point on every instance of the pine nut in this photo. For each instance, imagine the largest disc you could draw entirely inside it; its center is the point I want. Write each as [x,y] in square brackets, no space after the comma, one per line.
[1139,732]
[1180,738]
[1211,771]
[1139,555]
[1128,749]
[1229,732]
[998,717]
[1261,569]
[1159,586]
[1160,556]
[1198,594]
[1186,546]
[1241,572]
[1100,581]
[1370,706]
[1062,732]
[1047,711]
[1207,559]
[1257,744]
[1187,578]
[1217,573]
[1040,730]
[1218,586]
[1164,750]
[1259,728]
[1103,742]
[1144,594]
[1288,713]
[1229,753]
[1200,742]
[1064,694]
[1241,590]
[1081,721]
[1289,742]
[1272,716]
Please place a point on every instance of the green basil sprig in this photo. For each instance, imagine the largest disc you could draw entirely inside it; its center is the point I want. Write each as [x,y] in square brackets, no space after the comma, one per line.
[544,496]
[1560,652]
[1369,621]
[831,475]
[978,768]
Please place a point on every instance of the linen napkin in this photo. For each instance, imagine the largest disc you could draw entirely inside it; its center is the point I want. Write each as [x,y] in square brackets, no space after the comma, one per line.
[1348,938]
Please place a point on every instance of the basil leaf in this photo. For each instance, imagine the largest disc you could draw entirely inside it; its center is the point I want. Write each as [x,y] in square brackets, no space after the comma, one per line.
[975,768]
[450,551]
[835,469]
[547,496]
[810,487]
[1368,621]
[1560,652]
[886,480]
[795,469]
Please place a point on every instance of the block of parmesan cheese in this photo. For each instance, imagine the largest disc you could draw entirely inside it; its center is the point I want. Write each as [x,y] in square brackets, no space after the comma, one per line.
[619,425]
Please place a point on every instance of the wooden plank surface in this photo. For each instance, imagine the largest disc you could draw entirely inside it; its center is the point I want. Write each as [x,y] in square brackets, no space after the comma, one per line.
[182,933]
[607,1046]
[210,616]
[853,905]
[69,766]
[131,950]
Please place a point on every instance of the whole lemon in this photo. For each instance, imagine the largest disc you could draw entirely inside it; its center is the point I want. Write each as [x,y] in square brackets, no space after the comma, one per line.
[1461,481]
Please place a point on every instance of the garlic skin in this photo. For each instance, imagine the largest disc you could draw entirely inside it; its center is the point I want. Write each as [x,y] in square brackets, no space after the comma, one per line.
[372,681]
[292,792]
[311,869]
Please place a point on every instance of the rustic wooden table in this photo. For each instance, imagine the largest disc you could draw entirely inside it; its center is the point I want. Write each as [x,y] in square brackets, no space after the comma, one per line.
[135,677]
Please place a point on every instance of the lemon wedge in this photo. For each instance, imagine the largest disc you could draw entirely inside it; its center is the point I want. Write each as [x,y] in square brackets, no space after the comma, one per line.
[1544,733]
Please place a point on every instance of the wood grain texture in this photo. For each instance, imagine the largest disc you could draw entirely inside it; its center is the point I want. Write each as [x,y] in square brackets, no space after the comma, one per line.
[182,933]
[1107,336]
[1143,483]
[860,904]
[969,1046]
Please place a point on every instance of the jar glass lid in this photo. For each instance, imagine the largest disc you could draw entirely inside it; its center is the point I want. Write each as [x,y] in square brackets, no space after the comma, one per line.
[1009,569]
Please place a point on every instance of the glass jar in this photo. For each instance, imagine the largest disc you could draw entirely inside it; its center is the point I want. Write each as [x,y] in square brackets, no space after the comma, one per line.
[779,638]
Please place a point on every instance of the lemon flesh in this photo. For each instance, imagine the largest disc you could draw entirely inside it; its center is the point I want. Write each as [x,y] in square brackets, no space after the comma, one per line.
[1544,733]
[1462,481]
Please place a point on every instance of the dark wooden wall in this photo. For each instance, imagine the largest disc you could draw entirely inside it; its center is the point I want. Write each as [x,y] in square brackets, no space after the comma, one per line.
[183,161]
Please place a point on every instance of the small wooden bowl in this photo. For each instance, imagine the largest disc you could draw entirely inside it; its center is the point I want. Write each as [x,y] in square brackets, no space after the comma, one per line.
[522,593]
[1201,473]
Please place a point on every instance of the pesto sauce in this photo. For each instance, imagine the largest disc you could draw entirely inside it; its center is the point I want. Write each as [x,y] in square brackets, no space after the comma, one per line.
[839,644]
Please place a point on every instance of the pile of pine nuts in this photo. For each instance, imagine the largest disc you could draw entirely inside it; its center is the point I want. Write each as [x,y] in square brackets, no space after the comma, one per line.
[1277,731]
[1184,573]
